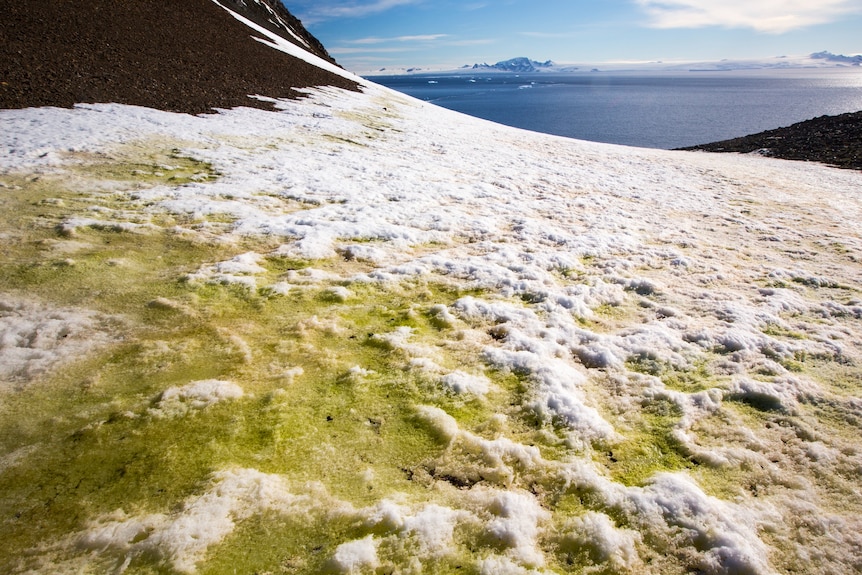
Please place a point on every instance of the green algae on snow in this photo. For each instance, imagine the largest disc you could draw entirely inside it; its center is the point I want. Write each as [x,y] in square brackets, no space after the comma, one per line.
[326,398]
[308,412]
[335,378]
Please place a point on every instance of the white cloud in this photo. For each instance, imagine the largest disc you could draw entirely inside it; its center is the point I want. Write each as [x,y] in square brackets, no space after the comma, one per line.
[401,44]
[347,51]
[771,16]
[418,38]
[546,35]
[476,42]
[350,9]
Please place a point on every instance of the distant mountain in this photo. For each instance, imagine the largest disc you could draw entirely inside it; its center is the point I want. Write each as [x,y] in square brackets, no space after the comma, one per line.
[523,65]
[838,58]
[520,65]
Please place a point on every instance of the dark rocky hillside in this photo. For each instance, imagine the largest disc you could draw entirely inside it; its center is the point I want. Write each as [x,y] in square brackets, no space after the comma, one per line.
[178,55]
[272,15]
[833,140]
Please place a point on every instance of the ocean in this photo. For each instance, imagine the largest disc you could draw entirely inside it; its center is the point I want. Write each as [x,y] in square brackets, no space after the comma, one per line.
[651,110]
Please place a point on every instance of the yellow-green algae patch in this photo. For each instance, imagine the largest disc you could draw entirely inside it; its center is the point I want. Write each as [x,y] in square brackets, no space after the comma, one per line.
[648,445]
[324,400]
[142,163]
[688,379]
[330,395]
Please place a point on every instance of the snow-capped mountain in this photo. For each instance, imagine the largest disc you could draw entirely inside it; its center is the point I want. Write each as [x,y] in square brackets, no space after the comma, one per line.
[838,58]
[524,65]
[356,334]
[520,65]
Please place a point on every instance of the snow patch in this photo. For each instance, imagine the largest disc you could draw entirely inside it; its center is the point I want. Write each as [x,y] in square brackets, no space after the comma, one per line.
[36,337]
[197,395]
[182,539]
[461,382]
[597,534]
[354,556]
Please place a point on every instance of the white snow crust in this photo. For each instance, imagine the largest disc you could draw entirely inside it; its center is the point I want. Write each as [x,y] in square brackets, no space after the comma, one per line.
[607,279]
[178,401]
[36,337]
[277,42]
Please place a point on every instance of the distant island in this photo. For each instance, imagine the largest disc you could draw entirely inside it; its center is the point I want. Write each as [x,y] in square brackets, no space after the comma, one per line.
[526,65]
[838,58]
[521,65]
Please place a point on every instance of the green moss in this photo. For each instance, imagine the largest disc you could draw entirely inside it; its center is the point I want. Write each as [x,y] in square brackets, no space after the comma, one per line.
[775,330]
[648,448]
[144,163]
[690,379]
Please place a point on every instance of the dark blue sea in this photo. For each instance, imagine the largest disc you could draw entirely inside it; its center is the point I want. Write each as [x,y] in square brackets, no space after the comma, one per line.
[654,110]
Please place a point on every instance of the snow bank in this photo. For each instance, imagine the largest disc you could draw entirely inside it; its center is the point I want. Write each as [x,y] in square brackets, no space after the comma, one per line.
[597,535]
[726,537]
[354,556]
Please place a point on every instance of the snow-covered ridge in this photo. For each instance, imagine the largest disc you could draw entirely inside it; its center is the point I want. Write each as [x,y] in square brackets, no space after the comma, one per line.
[272,15]
[278,42]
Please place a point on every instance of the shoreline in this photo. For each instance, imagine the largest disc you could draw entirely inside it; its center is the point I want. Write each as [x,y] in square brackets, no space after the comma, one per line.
[832,140]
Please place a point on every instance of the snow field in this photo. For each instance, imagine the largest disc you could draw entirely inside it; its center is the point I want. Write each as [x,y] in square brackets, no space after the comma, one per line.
[563,356]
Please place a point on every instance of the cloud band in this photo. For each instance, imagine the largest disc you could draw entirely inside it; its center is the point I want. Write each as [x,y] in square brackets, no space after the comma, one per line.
[770,16]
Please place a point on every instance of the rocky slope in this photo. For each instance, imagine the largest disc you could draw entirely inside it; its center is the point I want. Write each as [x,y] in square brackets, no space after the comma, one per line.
[190,56]
[833,140]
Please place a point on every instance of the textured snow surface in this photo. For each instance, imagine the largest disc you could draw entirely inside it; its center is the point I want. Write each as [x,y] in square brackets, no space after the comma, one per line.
[34,337]
[183,538]
[703,291]
[177,401]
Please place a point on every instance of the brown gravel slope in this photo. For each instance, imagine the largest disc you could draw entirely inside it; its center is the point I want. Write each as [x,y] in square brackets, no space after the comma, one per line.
[177,55]
[833,140]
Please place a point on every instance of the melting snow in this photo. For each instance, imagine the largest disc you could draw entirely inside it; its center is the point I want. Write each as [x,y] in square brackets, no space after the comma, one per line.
[602,276]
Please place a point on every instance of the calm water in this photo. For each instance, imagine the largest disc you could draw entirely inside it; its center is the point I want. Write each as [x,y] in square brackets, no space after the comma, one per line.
[655,110]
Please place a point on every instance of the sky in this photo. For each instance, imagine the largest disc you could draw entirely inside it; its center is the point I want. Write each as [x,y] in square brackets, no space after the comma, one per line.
[367,35]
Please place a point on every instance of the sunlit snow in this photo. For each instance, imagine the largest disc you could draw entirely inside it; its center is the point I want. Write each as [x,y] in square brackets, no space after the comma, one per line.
[685,330]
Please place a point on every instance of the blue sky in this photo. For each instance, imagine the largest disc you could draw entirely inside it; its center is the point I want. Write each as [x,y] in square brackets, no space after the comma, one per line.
[366,35]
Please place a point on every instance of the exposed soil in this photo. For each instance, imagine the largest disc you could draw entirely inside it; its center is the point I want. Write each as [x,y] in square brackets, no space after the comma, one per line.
[187,56]
[833,140]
